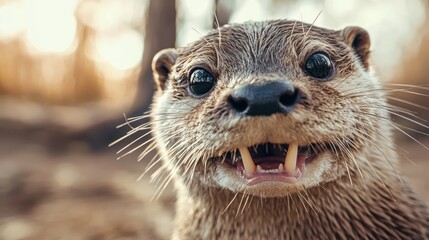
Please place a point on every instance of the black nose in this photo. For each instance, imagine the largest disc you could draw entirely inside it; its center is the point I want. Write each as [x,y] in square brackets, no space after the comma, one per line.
[264,99]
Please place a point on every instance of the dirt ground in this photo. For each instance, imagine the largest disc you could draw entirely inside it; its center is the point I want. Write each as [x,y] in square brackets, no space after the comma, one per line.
[73,193]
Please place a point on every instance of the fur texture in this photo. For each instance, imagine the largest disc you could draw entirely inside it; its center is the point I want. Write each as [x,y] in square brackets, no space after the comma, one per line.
[351,191]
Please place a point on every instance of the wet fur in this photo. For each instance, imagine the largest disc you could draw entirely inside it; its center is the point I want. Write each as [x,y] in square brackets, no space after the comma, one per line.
[352,191]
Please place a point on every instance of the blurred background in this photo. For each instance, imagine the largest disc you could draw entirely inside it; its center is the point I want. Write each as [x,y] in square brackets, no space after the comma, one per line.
[72,70]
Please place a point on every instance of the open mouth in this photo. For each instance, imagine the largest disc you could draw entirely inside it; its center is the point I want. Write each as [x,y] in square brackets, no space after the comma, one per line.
[270,162]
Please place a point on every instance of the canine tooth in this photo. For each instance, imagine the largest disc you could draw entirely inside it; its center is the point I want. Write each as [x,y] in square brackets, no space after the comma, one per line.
[248,163]
[290,160]
[258,168]
[281,168]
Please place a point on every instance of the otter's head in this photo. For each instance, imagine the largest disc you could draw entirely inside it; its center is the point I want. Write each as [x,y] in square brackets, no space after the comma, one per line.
[265,108]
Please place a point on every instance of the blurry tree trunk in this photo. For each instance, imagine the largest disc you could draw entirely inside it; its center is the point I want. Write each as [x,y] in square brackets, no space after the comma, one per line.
[160,33]
[83,84]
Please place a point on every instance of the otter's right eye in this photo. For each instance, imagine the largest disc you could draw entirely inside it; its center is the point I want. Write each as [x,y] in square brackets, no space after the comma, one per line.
[201,81]
[319,66]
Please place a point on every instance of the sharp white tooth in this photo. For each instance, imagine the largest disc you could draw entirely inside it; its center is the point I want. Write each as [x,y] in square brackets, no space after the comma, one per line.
[248,163]
[258,168]
[290,160]
[281,168]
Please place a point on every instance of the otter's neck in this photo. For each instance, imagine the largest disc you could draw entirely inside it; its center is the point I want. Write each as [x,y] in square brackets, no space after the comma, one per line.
[336,210]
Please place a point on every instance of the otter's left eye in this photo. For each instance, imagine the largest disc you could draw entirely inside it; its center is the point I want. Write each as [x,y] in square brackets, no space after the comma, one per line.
[319,66]
[201,81]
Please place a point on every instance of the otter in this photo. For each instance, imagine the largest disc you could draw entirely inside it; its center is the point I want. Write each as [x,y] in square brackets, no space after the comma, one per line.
[280,130]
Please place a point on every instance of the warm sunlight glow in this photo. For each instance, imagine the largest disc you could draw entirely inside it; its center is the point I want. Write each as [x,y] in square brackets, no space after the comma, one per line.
[51,25]
[71,50]
[123,50]
[11,20]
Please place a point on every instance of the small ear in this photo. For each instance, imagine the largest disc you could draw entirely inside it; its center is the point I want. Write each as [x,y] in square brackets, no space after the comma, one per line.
[358,39]
[162,65]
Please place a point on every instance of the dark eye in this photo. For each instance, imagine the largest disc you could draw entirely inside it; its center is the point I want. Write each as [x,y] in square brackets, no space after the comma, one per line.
[201,81]
[319,66]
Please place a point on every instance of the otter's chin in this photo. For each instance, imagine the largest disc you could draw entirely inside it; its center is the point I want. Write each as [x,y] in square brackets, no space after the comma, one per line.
[271,189]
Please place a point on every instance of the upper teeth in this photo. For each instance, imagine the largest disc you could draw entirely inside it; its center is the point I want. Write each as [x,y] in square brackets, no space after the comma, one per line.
[248,163]
[291,156]
[289,165]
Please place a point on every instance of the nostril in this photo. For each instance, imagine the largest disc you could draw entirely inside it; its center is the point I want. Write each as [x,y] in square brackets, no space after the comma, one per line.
[239,104]
[288,99]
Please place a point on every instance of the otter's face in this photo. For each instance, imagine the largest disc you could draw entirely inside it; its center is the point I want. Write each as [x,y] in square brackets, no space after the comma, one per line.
[265,108]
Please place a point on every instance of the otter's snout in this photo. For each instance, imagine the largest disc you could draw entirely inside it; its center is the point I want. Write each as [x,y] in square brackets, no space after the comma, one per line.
[264,99]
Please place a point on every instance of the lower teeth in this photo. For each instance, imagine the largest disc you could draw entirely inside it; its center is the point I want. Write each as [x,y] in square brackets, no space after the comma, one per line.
[268,171]
[280,169]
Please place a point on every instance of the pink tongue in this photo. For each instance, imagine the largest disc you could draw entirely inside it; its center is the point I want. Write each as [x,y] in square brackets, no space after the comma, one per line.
[270,162]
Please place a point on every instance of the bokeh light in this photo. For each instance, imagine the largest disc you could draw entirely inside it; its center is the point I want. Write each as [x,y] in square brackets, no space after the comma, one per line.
[123,50]
[12,21]
[69,47]
[50,25]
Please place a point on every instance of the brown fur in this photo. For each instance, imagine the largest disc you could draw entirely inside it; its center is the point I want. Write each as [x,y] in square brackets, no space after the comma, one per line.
[352,191]
[337,210]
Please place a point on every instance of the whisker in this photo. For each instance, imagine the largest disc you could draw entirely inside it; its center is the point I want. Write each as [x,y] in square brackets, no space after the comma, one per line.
[408,102]
[312,24]
[239,205]
[415,140]
[230,202]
